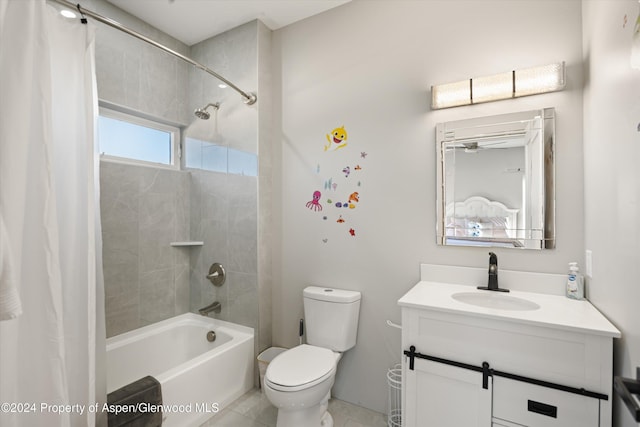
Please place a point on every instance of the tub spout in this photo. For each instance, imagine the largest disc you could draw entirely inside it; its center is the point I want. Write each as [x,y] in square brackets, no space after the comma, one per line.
[214,306]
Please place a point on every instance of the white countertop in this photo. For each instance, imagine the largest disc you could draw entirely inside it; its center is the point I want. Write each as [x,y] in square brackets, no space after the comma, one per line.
[558,312]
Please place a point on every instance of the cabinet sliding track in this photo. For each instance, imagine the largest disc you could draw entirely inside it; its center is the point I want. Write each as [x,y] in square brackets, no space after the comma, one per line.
[487,372]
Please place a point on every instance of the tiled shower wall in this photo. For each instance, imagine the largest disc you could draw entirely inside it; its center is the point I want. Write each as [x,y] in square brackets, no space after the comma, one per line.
[135,75]
[224,206]
[143,210]
[224,216]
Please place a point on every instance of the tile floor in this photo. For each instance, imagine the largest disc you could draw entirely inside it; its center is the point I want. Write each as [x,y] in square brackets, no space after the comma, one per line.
[254,410]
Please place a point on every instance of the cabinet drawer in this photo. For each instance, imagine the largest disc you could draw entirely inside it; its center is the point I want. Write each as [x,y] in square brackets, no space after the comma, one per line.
[536,406]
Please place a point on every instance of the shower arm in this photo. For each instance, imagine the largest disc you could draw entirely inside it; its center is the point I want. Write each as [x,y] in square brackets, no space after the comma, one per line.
[249,98]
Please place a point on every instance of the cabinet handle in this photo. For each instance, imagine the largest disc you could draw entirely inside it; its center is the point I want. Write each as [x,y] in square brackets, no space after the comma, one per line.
[542,409]
[486,373]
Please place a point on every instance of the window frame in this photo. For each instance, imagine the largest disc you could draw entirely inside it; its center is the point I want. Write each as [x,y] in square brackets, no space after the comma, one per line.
[138,119]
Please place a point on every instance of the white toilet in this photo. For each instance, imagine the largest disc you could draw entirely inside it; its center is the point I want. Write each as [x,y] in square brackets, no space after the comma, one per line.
[298,381]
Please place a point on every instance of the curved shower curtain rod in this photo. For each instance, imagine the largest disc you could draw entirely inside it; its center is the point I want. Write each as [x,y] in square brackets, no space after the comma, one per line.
[249,98]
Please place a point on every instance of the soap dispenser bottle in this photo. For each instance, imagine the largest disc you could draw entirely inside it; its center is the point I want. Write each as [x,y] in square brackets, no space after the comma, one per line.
[575,282]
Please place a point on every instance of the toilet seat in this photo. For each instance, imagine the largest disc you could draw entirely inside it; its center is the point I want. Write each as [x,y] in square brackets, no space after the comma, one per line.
[300,368]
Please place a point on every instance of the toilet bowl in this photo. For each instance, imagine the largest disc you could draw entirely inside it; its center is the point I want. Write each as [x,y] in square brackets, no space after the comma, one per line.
[298,382]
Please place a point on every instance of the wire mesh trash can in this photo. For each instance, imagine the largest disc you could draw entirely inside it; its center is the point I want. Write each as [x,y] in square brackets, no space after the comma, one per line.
[264,359]
[394,379]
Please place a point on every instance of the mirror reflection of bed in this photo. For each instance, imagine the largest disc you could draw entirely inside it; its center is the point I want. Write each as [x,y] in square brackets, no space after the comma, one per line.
[478,221]
[495,181]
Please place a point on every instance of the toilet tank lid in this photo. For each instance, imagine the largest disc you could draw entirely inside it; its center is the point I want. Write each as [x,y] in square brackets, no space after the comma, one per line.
[332,295]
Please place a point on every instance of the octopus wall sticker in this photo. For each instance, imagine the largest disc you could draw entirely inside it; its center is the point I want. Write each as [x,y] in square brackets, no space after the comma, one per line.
[315,203]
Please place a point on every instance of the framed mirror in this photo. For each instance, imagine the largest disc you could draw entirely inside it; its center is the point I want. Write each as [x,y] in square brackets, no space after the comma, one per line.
[495,181]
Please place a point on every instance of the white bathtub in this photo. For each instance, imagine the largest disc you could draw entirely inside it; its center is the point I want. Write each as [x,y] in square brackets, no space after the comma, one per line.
[198,377]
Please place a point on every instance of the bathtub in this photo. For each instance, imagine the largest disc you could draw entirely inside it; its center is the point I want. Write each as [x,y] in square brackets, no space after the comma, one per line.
[198,377]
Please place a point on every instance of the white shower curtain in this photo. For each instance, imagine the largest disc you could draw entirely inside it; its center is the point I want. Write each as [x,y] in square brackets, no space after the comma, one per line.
[49,204]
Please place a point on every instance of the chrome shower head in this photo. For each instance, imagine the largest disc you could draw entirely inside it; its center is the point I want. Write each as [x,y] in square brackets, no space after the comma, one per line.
[203,114]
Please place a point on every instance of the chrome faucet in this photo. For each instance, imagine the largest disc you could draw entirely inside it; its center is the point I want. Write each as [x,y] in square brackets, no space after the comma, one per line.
[215,306]
[493,275]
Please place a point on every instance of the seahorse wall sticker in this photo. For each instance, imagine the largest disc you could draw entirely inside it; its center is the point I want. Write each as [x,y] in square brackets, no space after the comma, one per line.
[343,182]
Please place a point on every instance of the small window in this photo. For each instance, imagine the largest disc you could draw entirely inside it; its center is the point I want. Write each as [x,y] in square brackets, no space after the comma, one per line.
[218,158]
[133,139]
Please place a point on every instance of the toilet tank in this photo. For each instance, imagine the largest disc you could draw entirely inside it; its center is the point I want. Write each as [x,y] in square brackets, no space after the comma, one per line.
[331,317]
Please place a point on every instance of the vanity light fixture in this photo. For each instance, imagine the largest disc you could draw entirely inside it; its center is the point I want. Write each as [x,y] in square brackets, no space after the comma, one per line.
[512,84]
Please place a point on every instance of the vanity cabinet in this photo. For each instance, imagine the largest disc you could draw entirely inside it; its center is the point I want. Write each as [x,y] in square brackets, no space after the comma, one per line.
[483,368]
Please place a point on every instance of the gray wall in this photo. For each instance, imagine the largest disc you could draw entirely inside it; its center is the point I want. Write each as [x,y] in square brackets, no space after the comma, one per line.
[612,177]
[265,187]
[375,82]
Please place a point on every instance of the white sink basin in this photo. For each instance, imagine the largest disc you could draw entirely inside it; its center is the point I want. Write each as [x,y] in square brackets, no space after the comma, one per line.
[500,301]
[532,308]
